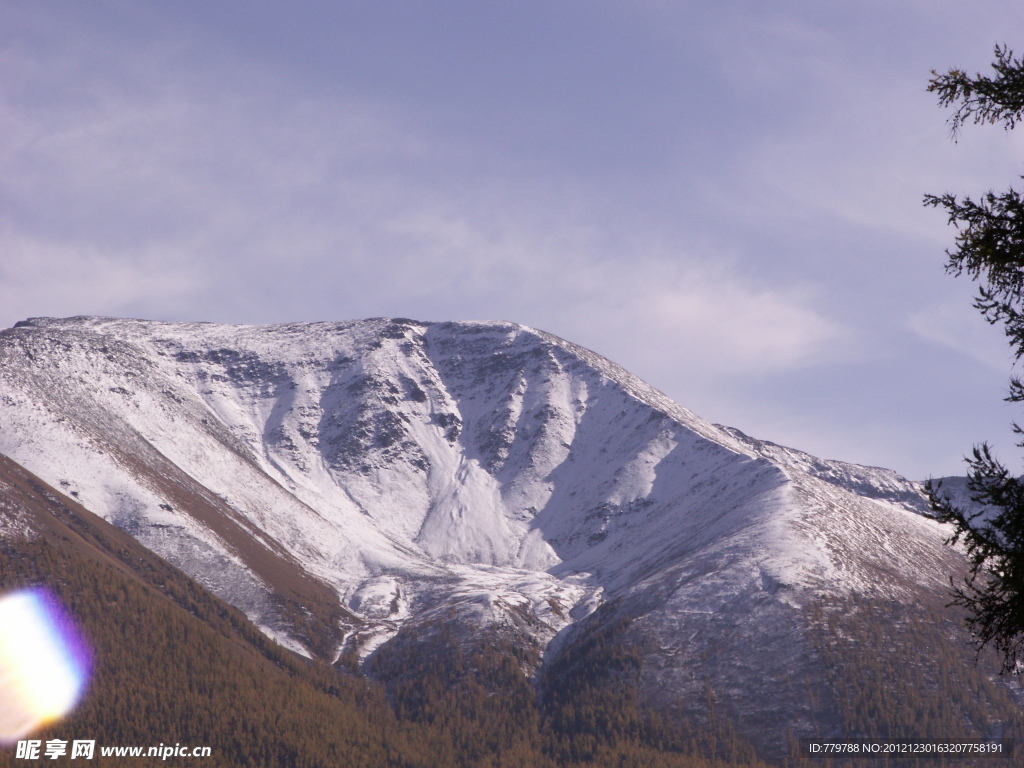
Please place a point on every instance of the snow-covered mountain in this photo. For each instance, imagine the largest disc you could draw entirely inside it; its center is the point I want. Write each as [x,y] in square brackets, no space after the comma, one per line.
[341,481]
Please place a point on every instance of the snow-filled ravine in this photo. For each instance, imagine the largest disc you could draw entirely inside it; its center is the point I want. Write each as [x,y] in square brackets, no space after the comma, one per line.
[417,469]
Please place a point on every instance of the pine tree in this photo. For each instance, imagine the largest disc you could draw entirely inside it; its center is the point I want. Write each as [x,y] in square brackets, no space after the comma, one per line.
[990,250]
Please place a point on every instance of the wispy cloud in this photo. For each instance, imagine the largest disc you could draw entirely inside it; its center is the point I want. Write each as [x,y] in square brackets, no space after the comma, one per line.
[38,278]
[725,199]
[959,328]
[151,196]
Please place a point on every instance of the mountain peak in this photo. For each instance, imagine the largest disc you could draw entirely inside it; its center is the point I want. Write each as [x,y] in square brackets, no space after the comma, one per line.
[397,468]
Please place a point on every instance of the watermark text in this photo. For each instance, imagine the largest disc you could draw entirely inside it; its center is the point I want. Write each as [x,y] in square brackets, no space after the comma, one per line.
[86,749]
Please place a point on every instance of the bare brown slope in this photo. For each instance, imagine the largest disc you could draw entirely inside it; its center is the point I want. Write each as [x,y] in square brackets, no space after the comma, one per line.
[312,607]
[172,662]
[46,512]
[309,609]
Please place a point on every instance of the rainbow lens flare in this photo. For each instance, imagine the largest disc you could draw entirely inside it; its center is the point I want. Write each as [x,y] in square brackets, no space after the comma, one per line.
[43,663]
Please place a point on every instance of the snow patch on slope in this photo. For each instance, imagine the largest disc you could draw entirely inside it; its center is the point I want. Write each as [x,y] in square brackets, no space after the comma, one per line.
[418,468]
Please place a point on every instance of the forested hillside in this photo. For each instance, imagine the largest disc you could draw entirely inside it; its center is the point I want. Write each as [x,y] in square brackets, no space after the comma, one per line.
[173,664]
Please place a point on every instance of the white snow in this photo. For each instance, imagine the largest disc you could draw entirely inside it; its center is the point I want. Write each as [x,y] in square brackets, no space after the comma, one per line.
[414,466]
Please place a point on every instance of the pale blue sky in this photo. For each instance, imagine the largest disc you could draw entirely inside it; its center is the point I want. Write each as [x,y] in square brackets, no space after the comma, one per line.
[725,198]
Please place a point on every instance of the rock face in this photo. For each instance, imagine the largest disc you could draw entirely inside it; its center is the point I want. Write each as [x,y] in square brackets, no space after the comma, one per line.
[341,481]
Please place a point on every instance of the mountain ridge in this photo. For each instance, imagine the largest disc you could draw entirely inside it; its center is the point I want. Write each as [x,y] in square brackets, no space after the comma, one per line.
[344,484]
[279,399]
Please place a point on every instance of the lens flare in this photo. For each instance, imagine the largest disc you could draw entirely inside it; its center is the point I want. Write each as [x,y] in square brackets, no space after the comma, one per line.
[43,663]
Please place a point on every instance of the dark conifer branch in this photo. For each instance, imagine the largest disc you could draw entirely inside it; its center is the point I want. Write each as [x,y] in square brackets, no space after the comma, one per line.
[983,99]
[990,250]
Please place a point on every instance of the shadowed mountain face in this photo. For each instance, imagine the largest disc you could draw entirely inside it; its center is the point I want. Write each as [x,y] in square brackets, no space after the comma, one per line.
[340,482]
